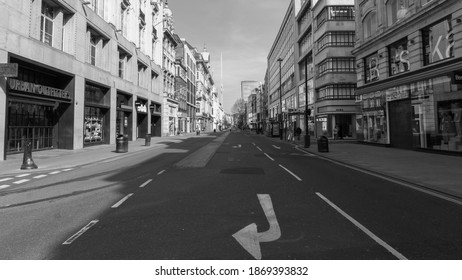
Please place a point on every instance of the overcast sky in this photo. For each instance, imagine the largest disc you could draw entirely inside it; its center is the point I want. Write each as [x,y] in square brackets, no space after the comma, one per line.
[242,30]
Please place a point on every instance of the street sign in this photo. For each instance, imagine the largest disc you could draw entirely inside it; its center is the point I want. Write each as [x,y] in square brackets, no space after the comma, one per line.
[9,70]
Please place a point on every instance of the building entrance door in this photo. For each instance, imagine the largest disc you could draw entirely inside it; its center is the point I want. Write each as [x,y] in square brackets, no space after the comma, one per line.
[400,113]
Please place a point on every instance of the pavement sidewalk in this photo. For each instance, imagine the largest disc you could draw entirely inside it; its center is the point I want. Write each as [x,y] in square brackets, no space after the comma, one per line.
[435,172]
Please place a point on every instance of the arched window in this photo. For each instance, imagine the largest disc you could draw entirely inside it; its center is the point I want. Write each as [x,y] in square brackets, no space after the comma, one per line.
[396,10]
[370,24]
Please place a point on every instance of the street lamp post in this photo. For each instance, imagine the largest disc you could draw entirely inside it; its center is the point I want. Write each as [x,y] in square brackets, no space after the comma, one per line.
[280,100]
[307,111]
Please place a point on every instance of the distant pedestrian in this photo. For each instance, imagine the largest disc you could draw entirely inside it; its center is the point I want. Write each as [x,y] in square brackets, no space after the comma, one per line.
[336,132]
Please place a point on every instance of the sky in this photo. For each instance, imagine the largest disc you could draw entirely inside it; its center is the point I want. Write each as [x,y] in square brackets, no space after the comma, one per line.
[242,31]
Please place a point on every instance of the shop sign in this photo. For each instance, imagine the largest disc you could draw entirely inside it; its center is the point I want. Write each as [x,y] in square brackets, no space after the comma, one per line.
[457,77]
[9,70]
[38,89]
[398,93]
[142,108]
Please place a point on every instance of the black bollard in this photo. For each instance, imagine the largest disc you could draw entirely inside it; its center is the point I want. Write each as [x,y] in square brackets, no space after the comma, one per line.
[27,161]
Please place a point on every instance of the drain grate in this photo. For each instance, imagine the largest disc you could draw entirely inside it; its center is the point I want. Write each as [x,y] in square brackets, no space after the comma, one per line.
[243,170]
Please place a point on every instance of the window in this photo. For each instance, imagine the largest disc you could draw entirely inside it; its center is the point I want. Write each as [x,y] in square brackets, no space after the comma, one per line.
[399,57]
[396,10]
[370,25]
[306,43]
[336,38]
[337,91]
[46,24]
[438,41]
[123,18]
[93,46]
[338,64]
[335,13]
[371,68]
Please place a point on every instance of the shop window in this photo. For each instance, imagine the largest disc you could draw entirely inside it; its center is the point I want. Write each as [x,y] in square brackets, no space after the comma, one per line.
[399,57]
[94,124]
[371,68]
[396,10]
[370,25]
[438,42]
[337,64]
[46,24]
[93,46]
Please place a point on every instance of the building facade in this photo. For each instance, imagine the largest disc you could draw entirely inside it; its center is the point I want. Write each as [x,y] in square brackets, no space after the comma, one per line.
[87,72]
[409,64]
[205,87]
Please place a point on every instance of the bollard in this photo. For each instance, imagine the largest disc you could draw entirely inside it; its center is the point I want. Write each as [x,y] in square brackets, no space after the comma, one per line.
[120,144]
[27,161]
[323,144]
[147,140]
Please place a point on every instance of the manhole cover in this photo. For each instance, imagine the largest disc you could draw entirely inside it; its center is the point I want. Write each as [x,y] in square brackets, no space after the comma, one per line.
[243,170]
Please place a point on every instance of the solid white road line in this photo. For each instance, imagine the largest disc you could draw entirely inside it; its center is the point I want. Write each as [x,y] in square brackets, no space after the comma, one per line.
[269,157]
[145,183]
[21,181]
[22,175]
[5,179]
[4,186]
[160,172]
[54,172]
[364,229]
[291,173]
[121,201]
[40,176]
[80,232]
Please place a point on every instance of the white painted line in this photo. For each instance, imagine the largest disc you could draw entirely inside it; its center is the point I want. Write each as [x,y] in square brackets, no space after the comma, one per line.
[291,173]
[22,175]
[121,201]
[269,157]
[54,172]
[4,186]
[364,229]
[21,181]
[80,232]
[259,149]
[145,183]
[160,172]
[276,147]
[40,176]
[5,179]
[69,169]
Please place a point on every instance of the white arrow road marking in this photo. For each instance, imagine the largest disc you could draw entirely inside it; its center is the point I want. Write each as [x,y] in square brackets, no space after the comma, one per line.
[276,147]
[363,228]
[250,238]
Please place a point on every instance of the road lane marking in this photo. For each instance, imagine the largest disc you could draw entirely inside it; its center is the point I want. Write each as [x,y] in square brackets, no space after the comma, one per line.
[269,157]
[4,186]
[145,183]
[22,175]
[291,173]
[5,179]
[80,232]
[276,147]
[69,169]
[364,229]
[121,201]
[40,176]
[54,172]
[259,149]
[160,172]
[21,181]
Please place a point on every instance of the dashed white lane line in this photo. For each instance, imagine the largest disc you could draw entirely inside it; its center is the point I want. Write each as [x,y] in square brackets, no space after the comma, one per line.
[121,201]
[291,173]
[54,172]
[40,176]
[269,157]
[5,179]
[4,186]
[259,149]
[22,175]
[80,232]
[364,229]
[21,181]
[68,169]
[145,183]
[160,172]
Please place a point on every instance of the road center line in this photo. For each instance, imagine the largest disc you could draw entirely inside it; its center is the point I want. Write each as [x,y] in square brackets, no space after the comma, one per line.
[121,201]
[269,157]
[145,183]
[259,149]
[40,176]
[80,232]
[54,172]
[364,229]
[21,181]
[5,179]
[4,186]
[291,173]
[23,175]
[160,172]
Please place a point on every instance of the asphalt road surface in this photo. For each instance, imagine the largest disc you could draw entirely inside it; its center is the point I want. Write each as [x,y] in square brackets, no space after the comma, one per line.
[232,195]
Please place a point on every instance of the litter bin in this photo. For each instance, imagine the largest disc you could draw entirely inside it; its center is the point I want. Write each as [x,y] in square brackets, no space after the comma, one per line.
[121,144]
[323,144]
[147,141]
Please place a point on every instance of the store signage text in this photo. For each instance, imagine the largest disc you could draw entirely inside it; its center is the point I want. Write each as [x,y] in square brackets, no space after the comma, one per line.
[397,94]
[142,109]
[38,89]
[457,77]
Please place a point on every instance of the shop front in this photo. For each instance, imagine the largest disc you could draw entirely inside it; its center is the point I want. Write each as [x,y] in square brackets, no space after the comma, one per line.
[156,119]
[39,108]
[141,106]
[96,114]
[124,118]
